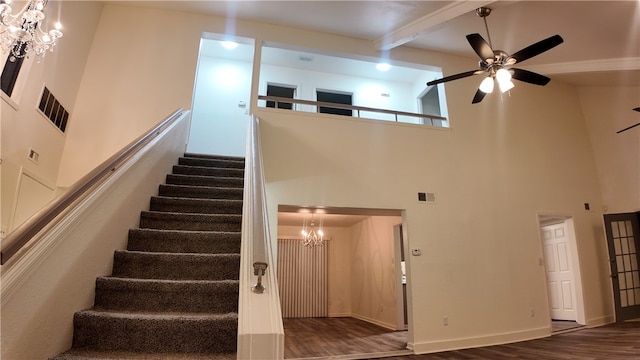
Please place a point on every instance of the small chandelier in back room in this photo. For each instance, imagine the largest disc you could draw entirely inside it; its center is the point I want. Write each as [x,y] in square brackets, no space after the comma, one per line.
[312,236]
[22,34]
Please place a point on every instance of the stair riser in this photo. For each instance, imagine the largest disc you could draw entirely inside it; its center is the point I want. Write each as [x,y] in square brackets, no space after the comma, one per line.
[200,192]
[155,336]
[207,156]
[206,171]
[173,179]
[216,163]
[173,298]
[198,206]
[151,266]
[183,242]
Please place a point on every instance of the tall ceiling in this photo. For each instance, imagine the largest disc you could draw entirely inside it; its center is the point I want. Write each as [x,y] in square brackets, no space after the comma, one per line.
[601,38]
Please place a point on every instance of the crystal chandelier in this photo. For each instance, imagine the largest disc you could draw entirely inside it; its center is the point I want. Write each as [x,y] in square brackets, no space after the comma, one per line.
[312,236]
[21,34]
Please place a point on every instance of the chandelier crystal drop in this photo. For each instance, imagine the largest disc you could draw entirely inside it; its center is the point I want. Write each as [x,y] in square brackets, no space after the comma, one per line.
[21,34]
[312,236]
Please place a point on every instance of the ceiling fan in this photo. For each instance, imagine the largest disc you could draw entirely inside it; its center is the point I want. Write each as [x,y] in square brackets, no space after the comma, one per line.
[497,64]
[632,126]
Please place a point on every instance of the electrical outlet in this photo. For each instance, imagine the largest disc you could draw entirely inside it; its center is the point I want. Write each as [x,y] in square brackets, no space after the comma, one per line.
[381,308]
[532,312]
[445,321]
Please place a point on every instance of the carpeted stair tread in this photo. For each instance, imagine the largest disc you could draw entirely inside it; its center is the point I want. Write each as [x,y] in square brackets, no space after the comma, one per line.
[203,192]
[203,180]
[119,355]
[183,241]
[195,206]
[208,171]
[209,162]
[171,266]
[153,295]
[156,333]
[209,156]
[181,221]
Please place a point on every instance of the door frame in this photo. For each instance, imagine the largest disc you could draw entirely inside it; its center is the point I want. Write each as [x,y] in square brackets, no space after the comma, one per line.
[400,244]
[555,218]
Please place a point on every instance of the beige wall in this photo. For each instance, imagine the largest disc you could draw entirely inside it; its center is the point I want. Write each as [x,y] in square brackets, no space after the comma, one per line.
[501,164]
[606,111]
[22,126]
[140,69]
[373,271]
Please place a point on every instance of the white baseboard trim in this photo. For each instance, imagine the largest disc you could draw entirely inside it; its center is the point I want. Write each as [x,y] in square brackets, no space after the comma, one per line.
[374,321]
[337,315]
[600,321]
[480,341]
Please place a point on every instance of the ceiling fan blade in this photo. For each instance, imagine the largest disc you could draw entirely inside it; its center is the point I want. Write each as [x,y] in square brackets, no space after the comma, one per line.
[537,48]
[530,77]
[478,96]
[455,77]
[480,46]
[637,109]
[627,128]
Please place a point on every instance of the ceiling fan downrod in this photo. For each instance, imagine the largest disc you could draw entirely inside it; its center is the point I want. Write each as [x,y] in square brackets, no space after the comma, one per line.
[483,12]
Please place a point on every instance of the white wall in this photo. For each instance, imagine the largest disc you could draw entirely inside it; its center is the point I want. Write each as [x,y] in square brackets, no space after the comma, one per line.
[22,126]
[606,111]
[219,124]
[366,91]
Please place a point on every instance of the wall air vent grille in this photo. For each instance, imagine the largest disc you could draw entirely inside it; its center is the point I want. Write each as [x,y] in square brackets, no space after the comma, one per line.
[53,110]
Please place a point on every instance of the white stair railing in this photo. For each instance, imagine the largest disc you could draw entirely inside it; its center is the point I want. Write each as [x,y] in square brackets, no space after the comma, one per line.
[260,330]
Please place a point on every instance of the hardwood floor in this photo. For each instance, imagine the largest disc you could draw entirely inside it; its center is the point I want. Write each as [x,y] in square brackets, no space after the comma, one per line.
[348,338]
[560,326]
[340,338]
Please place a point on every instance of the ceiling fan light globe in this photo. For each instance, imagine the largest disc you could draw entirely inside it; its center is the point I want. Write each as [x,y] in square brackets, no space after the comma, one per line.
[503,75]
[486,86]
[505,85]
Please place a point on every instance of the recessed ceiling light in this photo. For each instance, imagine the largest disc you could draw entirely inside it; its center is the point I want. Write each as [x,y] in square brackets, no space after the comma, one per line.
[383,66]
[229,45]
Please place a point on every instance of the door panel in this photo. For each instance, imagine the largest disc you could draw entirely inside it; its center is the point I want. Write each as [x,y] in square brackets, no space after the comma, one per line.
[559,272]
[623,239]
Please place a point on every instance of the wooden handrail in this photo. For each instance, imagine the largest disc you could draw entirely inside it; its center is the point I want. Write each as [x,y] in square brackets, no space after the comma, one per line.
[278,99]
[23,233]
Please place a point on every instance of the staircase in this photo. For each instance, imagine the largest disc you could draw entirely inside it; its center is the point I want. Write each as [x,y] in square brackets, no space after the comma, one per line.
[173,294]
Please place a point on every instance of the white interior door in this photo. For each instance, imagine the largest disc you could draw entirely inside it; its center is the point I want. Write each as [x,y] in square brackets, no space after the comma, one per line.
[559,272]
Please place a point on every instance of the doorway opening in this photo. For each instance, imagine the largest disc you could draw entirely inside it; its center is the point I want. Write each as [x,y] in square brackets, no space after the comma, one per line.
[563,282]
[336,97]
[338,298]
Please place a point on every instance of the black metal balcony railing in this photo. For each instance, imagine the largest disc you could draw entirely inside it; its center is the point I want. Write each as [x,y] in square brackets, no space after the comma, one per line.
[357,109]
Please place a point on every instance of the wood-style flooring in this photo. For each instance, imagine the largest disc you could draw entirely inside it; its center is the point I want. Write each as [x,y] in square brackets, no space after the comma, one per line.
[348,338]
[340,338]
